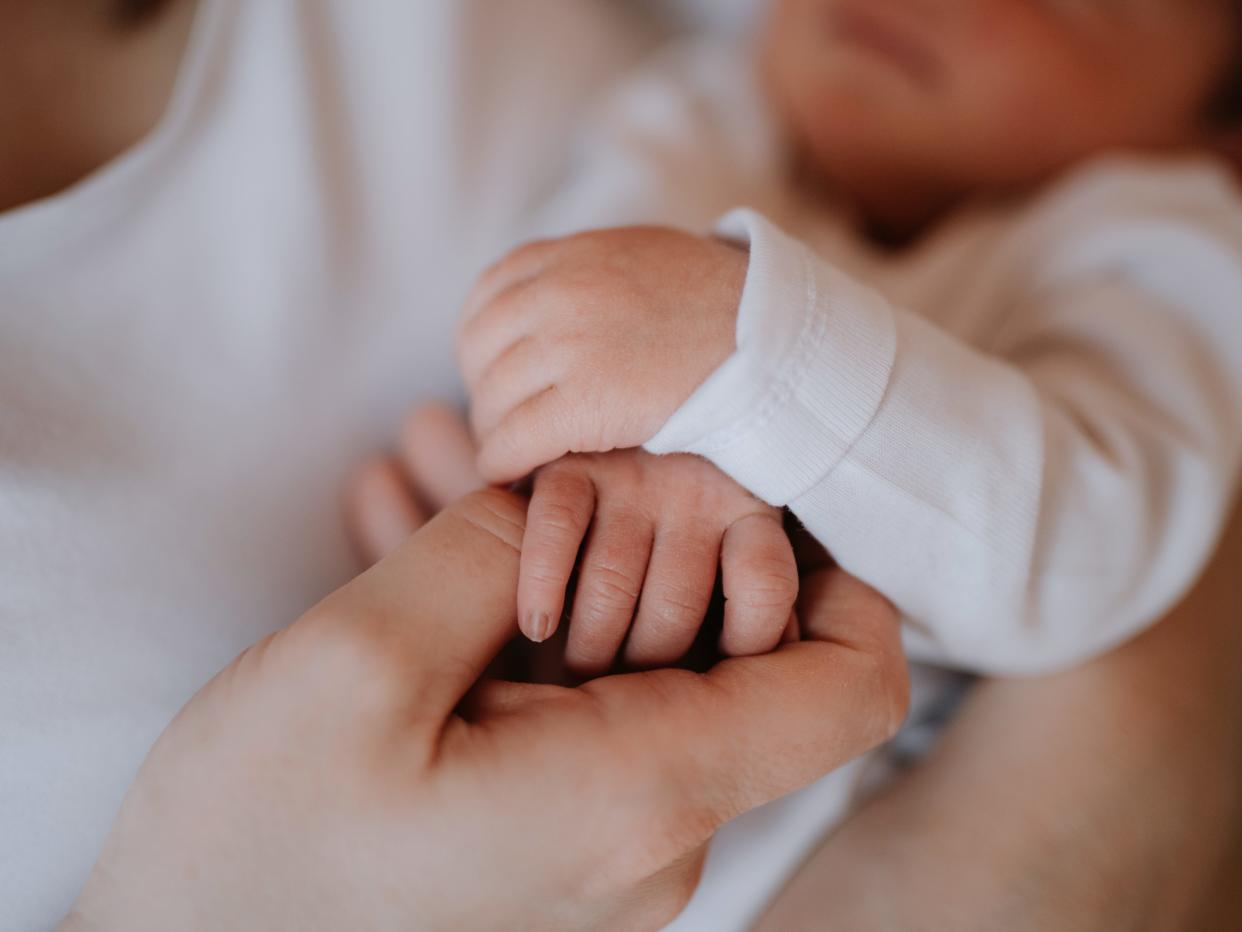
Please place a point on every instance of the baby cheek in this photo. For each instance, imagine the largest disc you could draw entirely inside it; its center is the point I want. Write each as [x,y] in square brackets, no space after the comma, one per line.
[1029,130]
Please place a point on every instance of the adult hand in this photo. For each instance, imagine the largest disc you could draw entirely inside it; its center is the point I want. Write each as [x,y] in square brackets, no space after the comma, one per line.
[345,774]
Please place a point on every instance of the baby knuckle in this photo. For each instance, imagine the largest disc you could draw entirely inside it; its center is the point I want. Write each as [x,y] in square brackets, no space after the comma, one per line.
[517,259]
[596,638]
[587,243]
[597,623]
[620,529]
[677,605]
[515,300]
[587,292]
[613,587]
[546,573]
[765,587]
[558,522]
[565,484]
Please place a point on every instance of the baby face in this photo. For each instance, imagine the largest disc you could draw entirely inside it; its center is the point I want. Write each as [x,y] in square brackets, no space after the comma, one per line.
[940,98]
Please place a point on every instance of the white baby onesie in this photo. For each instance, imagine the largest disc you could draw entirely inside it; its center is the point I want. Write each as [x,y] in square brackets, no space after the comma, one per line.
[198,341]
[1025,431]
[1033,451]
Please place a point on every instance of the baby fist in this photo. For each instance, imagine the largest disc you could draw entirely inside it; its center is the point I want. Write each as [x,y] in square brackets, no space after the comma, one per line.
[590,343]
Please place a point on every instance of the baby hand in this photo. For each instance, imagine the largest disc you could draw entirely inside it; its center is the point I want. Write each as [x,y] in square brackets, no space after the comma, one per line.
[590,343]
[656,528]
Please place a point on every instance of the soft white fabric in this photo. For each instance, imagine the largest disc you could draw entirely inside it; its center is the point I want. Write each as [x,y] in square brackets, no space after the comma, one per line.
[724,17]
[1025,433]
[197,342]
[687,132]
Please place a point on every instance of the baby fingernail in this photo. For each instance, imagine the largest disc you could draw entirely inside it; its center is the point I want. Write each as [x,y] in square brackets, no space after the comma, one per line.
[539,627]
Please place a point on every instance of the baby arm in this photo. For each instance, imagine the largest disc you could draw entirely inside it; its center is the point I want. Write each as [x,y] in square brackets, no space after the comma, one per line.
[587,344]
[1026,507]
[652,533]
[1028,504]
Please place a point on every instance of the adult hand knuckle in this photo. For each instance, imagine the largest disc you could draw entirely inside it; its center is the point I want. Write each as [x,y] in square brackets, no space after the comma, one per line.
[677,894]
[671,827]
[352,647]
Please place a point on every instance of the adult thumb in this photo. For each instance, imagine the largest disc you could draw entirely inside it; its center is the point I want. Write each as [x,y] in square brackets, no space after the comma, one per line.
[432,614]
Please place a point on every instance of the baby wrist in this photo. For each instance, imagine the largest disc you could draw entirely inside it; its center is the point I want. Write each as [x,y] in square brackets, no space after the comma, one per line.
[814,355]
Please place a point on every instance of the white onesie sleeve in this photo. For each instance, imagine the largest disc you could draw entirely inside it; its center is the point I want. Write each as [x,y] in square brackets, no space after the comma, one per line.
[1025,508]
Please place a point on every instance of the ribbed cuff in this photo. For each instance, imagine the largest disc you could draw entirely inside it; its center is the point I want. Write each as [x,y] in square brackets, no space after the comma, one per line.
[815,354]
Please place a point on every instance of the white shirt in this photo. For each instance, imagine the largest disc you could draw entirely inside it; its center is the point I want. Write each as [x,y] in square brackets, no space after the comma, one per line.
[197,343]
[1025,431]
